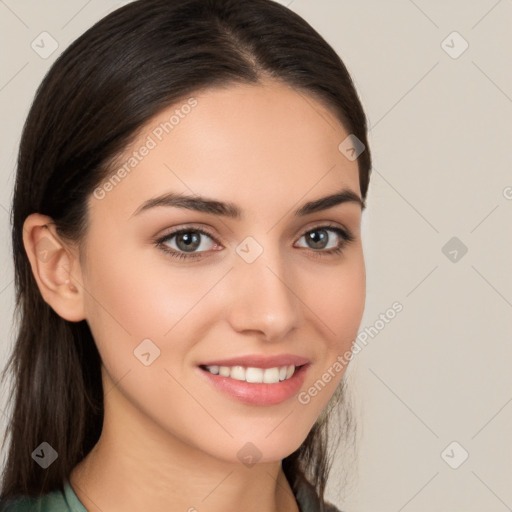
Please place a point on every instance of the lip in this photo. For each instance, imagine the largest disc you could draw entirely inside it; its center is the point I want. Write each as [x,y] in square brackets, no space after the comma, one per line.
[259,361]
[260,394]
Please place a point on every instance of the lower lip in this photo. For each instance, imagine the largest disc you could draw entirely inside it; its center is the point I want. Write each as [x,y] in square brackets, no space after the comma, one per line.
[258,393]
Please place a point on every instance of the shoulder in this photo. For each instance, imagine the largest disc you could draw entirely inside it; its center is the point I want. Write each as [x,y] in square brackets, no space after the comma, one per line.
[309,500]
[329,507]
[51,502]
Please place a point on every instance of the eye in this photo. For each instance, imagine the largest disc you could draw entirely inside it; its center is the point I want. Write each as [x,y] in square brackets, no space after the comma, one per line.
[185,242]
[191,242]
[321,238]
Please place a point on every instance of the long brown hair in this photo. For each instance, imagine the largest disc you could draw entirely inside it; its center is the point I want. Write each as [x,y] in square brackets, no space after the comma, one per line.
[108,83]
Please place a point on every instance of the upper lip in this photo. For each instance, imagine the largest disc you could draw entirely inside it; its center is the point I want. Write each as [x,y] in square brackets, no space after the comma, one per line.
[260,361]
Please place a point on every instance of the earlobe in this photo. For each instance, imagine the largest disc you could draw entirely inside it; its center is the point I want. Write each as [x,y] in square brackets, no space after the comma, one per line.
[55,266]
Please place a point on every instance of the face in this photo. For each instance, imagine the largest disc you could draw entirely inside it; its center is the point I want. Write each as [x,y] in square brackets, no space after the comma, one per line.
[258,275]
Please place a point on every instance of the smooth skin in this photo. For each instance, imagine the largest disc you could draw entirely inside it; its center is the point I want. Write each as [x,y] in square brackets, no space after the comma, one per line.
[170,440]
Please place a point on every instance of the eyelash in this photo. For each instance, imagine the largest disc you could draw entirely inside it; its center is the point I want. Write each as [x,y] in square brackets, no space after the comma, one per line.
[344,234]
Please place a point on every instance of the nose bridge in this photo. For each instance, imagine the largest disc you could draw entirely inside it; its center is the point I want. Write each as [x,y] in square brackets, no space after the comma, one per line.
[263,297]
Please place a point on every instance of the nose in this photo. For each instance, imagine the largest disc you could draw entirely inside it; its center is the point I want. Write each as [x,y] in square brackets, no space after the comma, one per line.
[263,299]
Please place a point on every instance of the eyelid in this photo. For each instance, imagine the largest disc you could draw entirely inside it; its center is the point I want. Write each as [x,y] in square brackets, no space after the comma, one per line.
[201,229]
[183,229]
[323,224]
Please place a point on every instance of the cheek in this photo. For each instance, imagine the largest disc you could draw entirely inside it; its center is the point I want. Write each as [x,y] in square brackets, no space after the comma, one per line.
[339,299]
[135,295]
[132,290]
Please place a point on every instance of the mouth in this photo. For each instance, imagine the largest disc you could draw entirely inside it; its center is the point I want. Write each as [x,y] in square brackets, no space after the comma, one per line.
[253,385]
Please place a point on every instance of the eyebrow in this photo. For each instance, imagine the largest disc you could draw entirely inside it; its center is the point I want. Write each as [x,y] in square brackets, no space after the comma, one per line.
[231,210]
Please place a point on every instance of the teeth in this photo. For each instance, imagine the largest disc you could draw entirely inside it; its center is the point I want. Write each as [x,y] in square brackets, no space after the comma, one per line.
[270,375]
[236,372]
[213,369]
[256,375]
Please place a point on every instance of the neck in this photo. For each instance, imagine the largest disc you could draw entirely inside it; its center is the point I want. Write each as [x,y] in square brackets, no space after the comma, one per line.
[140,467]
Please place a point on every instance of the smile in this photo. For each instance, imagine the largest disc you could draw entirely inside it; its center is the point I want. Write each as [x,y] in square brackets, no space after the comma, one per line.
[252,374]
[253,385]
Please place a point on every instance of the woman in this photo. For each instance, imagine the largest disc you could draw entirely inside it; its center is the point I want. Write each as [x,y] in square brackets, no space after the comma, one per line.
[188,264]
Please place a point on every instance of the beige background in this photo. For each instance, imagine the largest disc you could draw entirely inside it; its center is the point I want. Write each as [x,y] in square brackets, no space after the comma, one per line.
[440,135]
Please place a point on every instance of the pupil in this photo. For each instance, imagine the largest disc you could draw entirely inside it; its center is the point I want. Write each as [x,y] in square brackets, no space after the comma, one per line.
[191,241]
[318,238]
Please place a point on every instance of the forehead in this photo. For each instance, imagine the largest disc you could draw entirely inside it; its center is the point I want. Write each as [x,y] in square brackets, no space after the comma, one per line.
[257,144]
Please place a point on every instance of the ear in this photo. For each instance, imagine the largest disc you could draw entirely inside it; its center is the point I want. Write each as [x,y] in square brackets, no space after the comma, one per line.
[55,266]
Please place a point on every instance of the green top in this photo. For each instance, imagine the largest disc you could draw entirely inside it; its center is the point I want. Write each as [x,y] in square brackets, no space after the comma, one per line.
[67,501]
[55,501]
